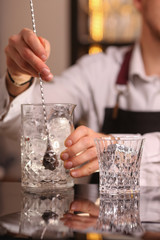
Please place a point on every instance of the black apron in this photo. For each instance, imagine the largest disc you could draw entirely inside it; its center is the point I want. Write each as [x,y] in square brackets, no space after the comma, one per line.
[117,120]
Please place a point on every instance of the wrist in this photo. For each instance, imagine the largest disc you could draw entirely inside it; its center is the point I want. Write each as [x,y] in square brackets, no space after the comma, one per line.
[14,90]
[15,83]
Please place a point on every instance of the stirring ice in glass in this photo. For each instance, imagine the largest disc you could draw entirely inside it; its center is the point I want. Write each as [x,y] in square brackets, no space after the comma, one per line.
[37,175]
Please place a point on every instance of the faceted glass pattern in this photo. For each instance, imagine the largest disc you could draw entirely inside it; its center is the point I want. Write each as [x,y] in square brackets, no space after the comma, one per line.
[41,214]
[119,164]
[35,175]
[120,214]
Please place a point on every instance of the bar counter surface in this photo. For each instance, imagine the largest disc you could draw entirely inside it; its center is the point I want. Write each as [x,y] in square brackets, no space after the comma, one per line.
[78,213]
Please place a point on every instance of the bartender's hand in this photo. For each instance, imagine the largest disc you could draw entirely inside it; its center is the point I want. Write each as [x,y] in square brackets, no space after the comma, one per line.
[26,55]
[81,149]
[88,217]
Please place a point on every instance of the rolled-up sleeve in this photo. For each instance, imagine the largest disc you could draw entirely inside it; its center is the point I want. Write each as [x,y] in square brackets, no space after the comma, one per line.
[4,98]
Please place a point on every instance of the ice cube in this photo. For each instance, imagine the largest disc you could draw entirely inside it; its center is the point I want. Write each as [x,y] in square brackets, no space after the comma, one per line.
[120,155]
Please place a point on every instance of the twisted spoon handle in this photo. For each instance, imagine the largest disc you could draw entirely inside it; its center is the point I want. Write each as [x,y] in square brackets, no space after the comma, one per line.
[50,160]
[40,82]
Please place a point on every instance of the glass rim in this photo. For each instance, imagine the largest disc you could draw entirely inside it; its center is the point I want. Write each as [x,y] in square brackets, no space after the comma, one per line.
[120,138]
[47,104]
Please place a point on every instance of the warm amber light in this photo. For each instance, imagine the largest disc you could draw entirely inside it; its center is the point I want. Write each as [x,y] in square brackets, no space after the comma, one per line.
[96,19]
[95,5]
[95,49]
[113,20]
[96,26]
[93,236]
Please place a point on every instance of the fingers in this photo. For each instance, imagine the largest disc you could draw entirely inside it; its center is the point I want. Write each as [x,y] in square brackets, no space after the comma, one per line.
[33,51]
[78,222]
[27,57]
[29,53]
[33,42]
[80,158]
[79,132]
[85,206]
[78,148]
[46,45]
[81,149]
[86,169]
[17,64]
[80,140]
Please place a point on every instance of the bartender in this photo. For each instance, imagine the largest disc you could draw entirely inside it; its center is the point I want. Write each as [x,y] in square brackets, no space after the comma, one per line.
[117,91]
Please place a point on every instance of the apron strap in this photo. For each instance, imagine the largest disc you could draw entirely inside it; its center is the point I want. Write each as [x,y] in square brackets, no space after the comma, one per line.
[124,71]
[122,78]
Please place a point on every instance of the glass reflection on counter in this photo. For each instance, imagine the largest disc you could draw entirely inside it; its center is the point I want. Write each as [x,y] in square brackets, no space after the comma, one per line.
[68,215]
[84,217]
[41,214]
[120,214]
[110,214]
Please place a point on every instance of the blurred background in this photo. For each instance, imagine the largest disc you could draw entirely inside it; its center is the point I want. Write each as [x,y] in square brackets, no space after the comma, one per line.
[73,27]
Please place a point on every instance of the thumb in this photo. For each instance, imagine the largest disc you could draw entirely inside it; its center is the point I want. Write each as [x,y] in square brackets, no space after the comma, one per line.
[45,44]
[42,41]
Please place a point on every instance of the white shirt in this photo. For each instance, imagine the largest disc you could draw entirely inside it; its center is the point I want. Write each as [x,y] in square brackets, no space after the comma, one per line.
[91,85]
